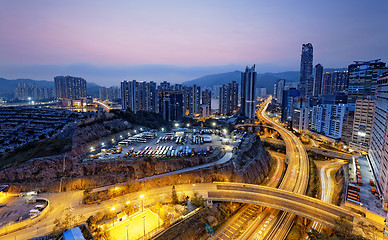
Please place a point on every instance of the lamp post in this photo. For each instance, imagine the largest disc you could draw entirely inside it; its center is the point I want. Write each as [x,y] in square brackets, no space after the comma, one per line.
[127,230]
[142,203]
[144,227]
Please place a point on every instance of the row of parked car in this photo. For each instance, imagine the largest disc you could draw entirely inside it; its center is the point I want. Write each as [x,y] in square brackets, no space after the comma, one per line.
[168,151]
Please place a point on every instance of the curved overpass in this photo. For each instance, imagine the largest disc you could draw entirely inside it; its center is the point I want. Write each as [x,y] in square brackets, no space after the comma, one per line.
[291,202]
[105,106]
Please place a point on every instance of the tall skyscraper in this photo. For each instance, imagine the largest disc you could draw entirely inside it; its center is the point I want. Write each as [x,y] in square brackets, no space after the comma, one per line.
[279,87]
[194,99]
[289,98]
[326,86]
[378,155]
[361,86]
[339,81]
[306,71]
[171,104]
[363,79]
[29,91]
[207,98]
[233,95]
[112,93]
[228,98]
[164,86]
[68,87]
[362,125]
[318,80]
[138,96]
[248,98]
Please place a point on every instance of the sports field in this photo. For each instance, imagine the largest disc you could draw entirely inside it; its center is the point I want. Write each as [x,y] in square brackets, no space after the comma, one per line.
[135,226]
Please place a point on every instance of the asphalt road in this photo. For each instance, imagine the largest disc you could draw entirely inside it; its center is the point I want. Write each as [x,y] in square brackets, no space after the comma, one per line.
[295,180]
[326,170]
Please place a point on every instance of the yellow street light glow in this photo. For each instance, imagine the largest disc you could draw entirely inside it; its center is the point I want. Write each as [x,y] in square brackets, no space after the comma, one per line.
[113,208]
[127,202]
[141,196]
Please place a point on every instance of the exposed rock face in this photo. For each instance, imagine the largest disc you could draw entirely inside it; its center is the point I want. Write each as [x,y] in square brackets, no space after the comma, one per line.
[342,178]
[253,161]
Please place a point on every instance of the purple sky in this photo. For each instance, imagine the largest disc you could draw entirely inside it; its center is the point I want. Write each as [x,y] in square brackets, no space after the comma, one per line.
[40,39]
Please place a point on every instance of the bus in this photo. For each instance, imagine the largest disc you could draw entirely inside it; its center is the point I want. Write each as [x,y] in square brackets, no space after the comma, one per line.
[352,191]
[354,198]
[353,195]
[354,187]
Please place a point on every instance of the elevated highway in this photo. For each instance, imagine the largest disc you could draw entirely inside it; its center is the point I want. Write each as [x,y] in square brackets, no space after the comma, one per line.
[105,106]
[287,201]
[295,180]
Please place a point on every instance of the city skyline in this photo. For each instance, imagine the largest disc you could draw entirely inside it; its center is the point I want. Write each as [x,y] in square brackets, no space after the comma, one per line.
[106,43]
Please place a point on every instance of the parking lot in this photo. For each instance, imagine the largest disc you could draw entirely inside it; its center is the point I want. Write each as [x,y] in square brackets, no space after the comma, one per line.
[19,208]
[180,143]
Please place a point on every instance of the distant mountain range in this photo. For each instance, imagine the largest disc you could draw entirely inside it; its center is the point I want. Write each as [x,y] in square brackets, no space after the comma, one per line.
[8,87]
[265,80]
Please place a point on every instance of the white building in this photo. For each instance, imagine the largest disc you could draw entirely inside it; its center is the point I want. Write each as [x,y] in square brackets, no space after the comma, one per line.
[327,119]
[362,125]
[378,155]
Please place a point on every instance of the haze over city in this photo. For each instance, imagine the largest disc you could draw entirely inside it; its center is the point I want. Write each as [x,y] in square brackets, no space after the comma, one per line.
[176,41]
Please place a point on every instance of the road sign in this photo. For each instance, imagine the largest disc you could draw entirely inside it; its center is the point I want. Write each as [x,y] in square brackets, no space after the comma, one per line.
[209,228]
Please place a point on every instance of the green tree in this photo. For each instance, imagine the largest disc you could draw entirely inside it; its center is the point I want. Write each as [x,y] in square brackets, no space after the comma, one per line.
[174,196]
[198,200]
[369,230]
[66,222]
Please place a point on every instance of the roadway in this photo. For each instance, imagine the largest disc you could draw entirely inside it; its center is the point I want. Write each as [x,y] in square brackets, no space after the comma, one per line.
[242,218]
[239,192]
[322,151]
[276,224]
[328,184]
[299,204]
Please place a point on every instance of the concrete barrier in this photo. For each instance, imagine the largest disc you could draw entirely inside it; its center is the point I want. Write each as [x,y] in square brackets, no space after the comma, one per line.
[13,227]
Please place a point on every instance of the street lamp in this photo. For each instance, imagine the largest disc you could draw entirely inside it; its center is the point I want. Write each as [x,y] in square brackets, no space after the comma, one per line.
[188,125]
[144,227]
[214,124]
[162,129]
[142,203]
[176,124]
[91,149]
[102,144]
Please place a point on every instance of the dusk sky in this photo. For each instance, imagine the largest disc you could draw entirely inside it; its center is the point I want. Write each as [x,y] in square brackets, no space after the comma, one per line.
[108,41]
